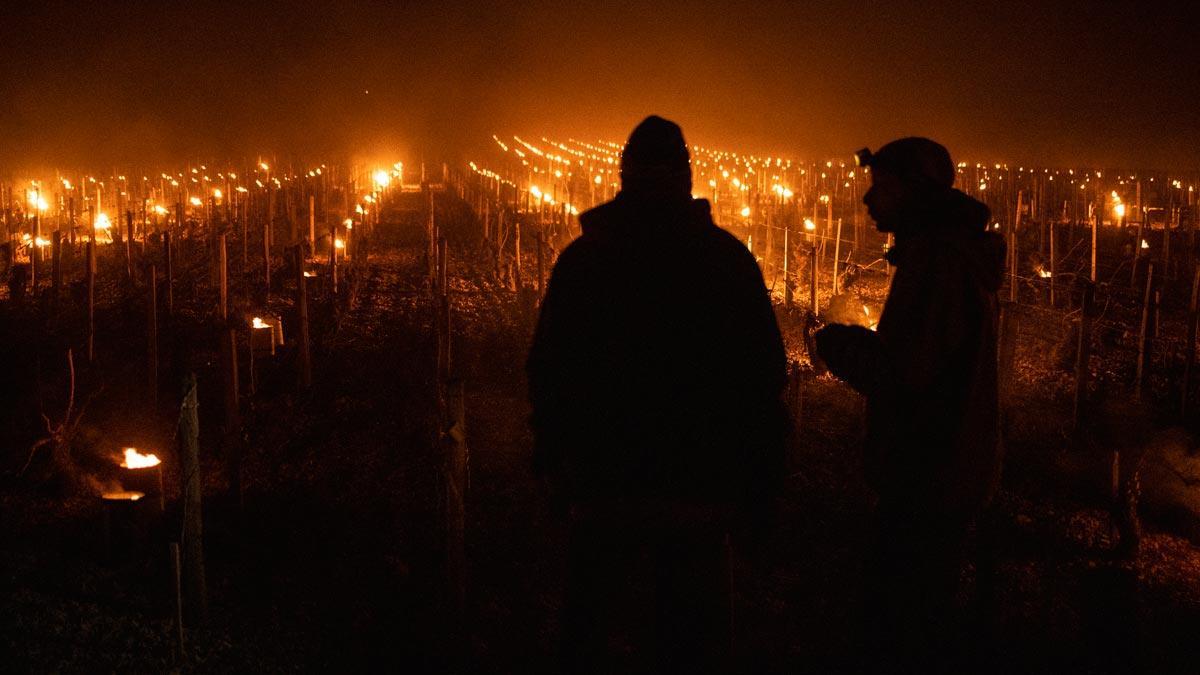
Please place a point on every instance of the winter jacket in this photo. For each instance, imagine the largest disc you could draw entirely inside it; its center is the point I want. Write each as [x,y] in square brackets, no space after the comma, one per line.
[929,372]
[657,366]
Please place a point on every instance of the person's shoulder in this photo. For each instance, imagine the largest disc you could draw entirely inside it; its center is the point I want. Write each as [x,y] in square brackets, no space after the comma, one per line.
[731,250]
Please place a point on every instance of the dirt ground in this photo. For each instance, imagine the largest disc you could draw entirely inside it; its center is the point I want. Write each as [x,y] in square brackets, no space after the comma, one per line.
[333,562]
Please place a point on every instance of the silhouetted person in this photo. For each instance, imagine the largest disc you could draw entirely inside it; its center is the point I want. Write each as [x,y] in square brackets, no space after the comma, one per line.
[655,377]
[929,375]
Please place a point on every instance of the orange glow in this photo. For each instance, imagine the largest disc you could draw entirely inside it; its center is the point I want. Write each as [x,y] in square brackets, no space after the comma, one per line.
[122,496]
[136,460]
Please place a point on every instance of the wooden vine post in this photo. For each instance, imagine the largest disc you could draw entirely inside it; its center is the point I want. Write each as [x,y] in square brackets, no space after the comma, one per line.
[91,299]
[812,279]
[541,281]
[333,260]
[837,252]
[517,255]
[152,335]
[169,273]
[1053,265]
[233,418]
[1189,348]
[787,285]
[194,583]
[56,271]
[1083,353]
[456,485]
[1143,331]
[223,278]
[305,360]
[129,245]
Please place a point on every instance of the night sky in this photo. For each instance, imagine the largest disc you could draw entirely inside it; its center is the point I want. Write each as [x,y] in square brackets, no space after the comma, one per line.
[1076,83]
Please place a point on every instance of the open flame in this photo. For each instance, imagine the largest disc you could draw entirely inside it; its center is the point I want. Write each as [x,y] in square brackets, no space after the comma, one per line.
[873,324]
[1145,244]
[136,460]
[122,496]
[257,322]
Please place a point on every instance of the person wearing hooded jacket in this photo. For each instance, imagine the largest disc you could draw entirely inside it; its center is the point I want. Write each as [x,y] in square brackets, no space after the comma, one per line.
[655,378]
[929,373]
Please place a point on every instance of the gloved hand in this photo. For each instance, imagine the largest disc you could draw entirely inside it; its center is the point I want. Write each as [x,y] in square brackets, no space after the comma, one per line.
[852,353]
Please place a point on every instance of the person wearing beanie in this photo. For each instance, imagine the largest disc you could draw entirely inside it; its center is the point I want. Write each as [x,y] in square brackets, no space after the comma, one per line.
[655,378]
[929,374]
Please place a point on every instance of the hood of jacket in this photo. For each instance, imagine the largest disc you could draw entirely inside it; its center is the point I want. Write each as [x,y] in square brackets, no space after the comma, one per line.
[630,214]
[957,224]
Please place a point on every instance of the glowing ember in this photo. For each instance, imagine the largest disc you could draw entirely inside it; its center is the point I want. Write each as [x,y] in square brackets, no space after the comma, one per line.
[217,193]
[160,209]
[136,460]
[745,211]
[195,201]
[348,222]
[122,496]
[1044,273]
[257,322]
[339,243]
[810,225]
[307,274]
[1145,244]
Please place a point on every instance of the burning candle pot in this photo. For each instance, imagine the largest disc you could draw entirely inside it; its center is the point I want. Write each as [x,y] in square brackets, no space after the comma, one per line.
[266,333]
[143,474]
[123,525]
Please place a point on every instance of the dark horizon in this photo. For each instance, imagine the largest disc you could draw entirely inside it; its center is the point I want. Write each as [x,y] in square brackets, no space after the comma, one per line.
[1071,85]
